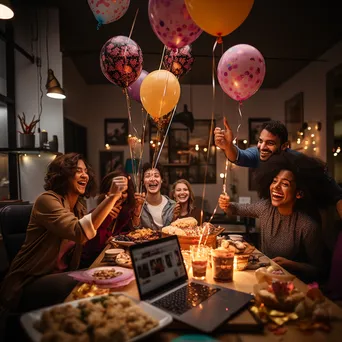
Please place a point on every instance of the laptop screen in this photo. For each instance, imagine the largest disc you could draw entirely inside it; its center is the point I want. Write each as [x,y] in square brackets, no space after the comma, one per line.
[157,264]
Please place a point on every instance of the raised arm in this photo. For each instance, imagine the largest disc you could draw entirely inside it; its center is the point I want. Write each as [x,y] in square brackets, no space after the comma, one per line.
[237,209]
[224,139]
[139,201]
[53,216]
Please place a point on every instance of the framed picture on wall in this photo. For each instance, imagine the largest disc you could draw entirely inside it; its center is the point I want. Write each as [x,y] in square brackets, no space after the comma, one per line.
[294,115]
[110,161]
[254,129]
[116,131]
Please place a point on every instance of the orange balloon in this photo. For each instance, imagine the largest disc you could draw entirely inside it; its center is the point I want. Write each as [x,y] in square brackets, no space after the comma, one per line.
[159,92]
[219,17]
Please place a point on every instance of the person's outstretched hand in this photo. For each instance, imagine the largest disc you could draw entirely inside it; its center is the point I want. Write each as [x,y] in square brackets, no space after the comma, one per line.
[223,138]
[119,185]
[224,202]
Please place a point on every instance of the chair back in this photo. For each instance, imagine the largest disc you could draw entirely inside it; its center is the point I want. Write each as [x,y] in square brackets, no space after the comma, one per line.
[14,220]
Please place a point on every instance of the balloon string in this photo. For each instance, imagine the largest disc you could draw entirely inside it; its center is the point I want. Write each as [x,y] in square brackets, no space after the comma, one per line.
[134,20]
[165,136]
[211,130]
[131,145]
[224,187]
[129,108]
[144,121]
[162,57]
[240,122]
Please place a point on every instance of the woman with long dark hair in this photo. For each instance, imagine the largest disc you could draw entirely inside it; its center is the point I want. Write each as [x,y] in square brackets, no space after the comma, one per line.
[58,227]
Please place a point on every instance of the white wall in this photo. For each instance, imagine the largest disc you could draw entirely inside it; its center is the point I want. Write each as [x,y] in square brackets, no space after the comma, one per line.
[108,101]
[33,168]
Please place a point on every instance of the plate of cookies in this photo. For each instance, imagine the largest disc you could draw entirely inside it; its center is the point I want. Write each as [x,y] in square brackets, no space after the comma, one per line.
[237,246]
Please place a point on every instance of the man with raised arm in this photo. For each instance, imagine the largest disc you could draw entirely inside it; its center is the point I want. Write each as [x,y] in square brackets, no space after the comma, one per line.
[272,140]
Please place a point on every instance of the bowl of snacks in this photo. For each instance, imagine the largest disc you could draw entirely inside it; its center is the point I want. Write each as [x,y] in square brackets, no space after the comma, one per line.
[235,237]
[272,273]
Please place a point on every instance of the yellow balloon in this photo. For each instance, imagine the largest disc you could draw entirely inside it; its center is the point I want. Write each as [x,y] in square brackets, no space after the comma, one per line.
[219,17]
[159,92]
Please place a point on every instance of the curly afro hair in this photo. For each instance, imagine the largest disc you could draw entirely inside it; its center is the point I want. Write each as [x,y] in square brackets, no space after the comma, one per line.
[310,175]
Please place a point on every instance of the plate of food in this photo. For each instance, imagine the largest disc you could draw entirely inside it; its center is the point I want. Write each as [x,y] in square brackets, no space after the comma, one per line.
[106,275]
[95,319]
[136,236]
[272,273]
[237,246]
[123,243]
[123,259]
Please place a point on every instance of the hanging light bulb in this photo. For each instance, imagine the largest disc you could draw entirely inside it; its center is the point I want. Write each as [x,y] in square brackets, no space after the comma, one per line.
[6,11]
[53,88]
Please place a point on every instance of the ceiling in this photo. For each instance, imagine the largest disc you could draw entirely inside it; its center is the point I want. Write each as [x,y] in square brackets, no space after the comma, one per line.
[290,34]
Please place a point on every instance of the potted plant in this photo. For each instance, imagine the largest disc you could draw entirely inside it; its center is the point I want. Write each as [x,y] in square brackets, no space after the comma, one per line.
[27,137]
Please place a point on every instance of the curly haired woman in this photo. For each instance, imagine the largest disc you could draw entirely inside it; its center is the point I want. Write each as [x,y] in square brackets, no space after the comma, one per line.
[289,186]
[58,228]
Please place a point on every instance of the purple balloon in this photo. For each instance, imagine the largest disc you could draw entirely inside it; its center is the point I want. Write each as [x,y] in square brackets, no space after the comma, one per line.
[172,24]
[134,88]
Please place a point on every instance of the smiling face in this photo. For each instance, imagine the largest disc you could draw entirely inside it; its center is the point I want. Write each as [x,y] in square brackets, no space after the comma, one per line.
[79,181]
[152,181]
[283,190]
[181,193]
[268,144]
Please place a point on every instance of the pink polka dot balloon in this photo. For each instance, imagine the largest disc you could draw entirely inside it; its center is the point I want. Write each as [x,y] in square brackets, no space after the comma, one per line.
[107,11]
[241,71]
[172,24]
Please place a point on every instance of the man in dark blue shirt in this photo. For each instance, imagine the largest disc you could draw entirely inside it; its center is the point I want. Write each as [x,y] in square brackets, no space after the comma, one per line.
[273,139]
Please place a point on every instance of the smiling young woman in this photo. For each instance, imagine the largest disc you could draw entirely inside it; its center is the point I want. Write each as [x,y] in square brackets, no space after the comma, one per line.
[59,225]
[182,193]
[289,187]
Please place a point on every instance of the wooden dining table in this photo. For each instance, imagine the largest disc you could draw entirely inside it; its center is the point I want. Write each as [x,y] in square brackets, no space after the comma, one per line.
[243,281]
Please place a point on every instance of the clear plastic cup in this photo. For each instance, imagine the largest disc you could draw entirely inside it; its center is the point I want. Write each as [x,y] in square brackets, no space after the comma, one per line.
[199,261]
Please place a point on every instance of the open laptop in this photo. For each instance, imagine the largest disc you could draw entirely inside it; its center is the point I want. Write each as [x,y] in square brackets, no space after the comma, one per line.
[162,281]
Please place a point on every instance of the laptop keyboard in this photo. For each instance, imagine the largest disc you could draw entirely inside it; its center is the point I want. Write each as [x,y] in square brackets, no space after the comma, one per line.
[185,298]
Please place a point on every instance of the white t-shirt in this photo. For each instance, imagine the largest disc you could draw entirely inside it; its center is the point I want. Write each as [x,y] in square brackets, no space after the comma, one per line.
[156,212]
